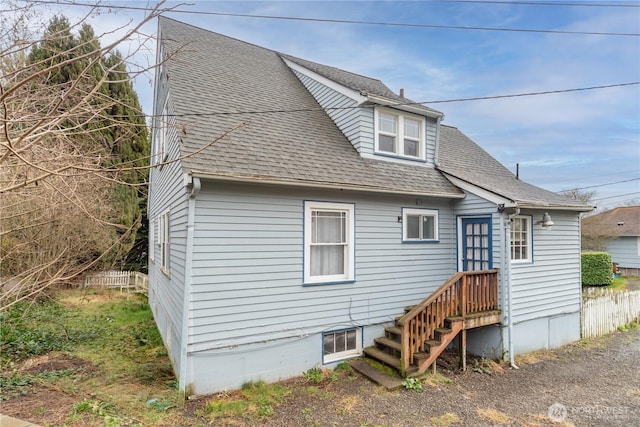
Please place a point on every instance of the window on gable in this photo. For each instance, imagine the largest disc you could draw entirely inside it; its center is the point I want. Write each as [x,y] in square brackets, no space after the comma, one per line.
[329,242]
[399,134]
[521,242]
[341,344]
[161,136]
[419,225]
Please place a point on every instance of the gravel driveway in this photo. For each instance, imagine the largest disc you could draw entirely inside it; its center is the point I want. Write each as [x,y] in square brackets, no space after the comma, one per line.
[592,383]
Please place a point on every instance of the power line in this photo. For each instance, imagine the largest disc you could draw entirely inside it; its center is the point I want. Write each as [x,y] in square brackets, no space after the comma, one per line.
[391,104]
[399,104]
[619,195]
[537,3]
[342,21]
[602,185]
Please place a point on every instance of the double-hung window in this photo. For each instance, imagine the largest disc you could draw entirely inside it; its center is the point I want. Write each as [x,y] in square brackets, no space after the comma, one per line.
[163,241]
[329,242]
[399,134]
[161,135]
[521,242]
[152,239]
[419,225]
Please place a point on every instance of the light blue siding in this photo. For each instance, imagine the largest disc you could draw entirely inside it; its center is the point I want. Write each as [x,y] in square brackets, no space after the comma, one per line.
[551,285]
[356,123]
[625,251]
[248,266]
[166,192]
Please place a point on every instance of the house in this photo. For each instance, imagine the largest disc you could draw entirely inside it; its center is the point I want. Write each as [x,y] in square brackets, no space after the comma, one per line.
[296,209]
[619,228]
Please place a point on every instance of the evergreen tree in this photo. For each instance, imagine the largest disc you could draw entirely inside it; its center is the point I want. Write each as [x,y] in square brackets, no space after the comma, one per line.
[120,131]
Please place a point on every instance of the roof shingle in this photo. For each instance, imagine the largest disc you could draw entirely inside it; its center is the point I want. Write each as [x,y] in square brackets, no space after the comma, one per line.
[218,83]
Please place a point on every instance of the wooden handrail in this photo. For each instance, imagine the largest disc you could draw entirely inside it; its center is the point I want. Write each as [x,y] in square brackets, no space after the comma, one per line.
[463,293]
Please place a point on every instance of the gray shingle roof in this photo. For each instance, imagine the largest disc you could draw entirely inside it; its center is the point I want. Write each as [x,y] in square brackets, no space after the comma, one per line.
[625,220]
[285,137]
[357,82]
[461,157]
[215,73]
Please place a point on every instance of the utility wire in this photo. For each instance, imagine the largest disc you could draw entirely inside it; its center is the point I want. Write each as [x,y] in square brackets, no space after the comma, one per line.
[537,3]
[342,21]
[602,185]
[390,104]
[637,193]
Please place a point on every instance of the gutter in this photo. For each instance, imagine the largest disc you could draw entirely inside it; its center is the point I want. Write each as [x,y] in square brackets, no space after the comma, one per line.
[411,107]
[194,184]
[328,185]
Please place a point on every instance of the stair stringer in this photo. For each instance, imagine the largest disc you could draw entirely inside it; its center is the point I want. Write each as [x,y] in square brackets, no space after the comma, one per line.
[424,360]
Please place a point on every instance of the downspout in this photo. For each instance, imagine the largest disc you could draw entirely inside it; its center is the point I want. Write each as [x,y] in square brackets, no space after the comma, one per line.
[186,297]
[507,239]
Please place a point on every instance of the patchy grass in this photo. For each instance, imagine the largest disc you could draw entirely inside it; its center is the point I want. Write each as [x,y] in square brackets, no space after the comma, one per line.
[445,420]
[535,357]
[436,379]
[253,401]
[101,348]
[493,415]
[347,404]
[618,283]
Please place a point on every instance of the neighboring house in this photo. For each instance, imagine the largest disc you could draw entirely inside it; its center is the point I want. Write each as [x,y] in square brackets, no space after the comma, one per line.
[621,228]
[330,205]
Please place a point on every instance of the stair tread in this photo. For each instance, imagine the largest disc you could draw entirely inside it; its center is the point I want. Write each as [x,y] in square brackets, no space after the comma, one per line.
[444,330]
[389,343]
[383,357]
[394,330]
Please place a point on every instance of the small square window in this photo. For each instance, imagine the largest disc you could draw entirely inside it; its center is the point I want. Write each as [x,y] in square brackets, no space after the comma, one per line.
[343,344]
[420,225]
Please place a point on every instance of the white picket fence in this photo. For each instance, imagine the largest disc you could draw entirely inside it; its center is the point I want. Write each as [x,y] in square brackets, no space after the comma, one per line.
[130,281]
[605,310]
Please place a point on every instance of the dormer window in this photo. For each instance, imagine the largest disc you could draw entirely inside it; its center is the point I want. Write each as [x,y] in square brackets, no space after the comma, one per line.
[399,134]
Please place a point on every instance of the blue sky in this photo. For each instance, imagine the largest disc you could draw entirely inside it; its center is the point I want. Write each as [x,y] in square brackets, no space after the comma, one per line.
[561,141]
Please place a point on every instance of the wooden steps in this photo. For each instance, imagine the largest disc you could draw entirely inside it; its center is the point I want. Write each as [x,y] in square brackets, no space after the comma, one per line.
[466,300]
[387,349]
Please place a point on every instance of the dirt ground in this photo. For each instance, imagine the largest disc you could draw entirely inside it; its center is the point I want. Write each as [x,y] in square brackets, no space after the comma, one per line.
[593,383]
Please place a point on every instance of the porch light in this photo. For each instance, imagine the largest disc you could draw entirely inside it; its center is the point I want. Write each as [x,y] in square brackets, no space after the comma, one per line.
[546,221]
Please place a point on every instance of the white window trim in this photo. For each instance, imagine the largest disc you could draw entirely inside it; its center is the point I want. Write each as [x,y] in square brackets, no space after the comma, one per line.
[152,240]
[422,212]
[164,241]
[349,261]
[529,259]
[161,133]
[400,134]
[334,357]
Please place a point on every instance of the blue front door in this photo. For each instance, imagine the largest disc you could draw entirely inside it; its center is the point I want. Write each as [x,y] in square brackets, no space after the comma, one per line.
[476,244]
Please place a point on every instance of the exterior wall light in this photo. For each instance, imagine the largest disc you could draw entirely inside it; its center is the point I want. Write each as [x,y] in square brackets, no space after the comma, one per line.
[546,221]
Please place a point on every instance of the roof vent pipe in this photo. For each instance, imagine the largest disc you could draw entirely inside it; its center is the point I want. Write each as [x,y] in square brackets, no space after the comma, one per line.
[402,93]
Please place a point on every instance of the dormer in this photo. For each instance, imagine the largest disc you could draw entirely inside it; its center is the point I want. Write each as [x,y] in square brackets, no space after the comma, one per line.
[380,124]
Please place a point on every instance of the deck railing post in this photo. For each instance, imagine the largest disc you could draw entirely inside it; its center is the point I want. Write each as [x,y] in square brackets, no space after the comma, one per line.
[463,299]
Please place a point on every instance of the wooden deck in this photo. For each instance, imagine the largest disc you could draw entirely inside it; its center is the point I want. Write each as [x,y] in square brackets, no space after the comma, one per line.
[467,300]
